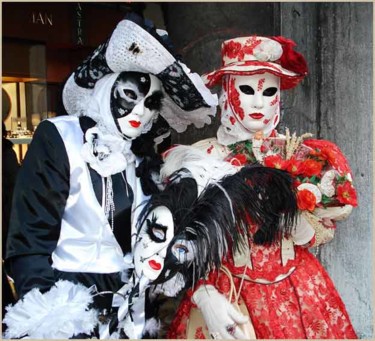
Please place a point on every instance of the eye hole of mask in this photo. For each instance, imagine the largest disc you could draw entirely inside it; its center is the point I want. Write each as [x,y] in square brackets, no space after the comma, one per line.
[184,250]
[247,89]
[270,91]
[153,102]
[181,249]
[130,94]
[156,231]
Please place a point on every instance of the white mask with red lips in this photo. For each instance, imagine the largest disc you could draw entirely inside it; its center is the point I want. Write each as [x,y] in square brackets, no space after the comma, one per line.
[153,241]
[151,245]
[249,104]
[129,103]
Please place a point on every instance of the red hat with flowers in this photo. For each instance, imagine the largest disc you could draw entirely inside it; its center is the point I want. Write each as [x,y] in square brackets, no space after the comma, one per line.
[255,54]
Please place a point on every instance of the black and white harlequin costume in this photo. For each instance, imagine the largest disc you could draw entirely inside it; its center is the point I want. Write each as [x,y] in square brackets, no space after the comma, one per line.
[82,178]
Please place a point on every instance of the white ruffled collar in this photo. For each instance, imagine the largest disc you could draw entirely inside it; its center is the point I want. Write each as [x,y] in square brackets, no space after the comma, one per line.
[106,153]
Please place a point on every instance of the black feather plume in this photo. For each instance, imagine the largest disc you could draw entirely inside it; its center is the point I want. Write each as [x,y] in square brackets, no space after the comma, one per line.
[217,221]
[276,202]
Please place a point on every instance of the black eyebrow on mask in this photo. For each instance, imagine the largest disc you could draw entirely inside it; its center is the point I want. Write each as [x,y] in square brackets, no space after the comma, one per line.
[153,102]
[153,224]
[159,226]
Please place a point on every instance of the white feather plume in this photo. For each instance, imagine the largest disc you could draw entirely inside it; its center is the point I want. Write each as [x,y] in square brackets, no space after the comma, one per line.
[204,168]
[152,327]
[60,313]
[129,264]
[170,288]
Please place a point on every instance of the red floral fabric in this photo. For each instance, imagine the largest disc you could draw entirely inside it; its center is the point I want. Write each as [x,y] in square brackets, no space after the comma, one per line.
[304,305]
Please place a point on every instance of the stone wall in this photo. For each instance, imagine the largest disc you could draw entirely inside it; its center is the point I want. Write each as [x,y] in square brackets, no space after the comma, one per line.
[335,103]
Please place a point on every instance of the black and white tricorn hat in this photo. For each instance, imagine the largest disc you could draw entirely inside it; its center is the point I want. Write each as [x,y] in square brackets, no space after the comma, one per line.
[135,45]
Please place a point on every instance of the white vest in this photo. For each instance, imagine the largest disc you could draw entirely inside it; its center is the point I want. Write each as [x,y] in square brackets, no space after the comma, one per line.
[86,242]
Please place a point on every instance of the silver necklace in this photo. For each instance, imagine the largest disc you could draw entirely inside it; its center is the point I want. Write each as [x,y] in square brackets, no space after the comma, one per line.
[109,202]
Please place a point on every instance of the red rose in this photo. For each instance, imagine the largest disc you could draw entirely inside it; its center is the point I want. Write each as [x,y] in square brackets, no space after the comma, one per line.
[290,59]
[238,160]
[346,194]
[295,167]
[311,167]
[275,161]
[306,200]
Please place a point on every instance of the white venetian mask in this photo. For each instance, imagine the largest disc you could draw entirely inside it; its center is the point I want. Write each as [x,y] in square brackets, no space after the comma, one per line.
[150,248]
[254,101]
[135,102]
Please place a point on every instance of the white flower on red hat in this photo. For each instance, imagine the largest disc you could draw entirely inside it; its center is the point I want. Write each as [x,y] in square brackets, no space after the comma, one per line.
[268,50]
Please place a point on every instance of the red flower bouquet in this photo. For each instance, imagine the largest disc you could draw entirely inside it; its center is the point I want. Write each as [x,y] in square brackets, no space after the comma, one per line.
[321,173]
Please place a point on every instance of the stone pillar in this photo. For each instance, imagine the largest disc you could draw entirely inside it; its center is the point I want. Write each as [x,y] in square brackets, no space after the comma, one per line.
[335,103]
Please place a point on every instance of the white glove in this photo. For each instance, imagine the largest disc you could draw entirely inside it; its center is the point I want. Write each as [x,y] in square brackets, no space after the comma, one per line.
[221,317]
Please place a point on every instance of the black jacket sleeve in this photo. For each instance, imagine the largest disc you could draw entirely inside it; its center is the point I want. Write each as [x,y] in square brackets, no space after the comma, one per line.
[39,199]
[10,169]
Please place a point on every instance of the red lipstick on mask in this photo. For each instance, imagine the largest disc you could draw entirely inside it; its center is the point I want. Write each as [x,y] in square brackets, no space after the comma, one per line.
[256,115]
[154,264]
[135,124]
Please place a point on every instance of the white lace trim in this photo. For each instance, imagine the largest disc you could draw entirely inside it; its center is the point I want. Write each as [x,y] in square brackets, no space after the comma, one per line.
[75,98]
[179,119]
[208,97]
[152,327]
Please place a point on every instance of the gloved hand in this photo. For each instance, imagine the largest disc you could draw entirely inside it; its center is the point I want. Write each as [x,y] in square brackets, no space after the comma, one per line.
[221,317]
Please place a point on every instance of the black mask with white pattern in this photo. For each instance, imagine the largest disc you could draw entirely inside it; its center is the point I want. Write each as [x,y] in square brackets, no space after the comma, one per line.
[129,90]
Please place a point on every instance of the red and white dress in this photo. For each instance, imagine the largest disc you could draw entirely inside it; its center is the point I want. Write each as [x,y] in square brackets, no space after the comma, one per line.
[287,297]
[304,304]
